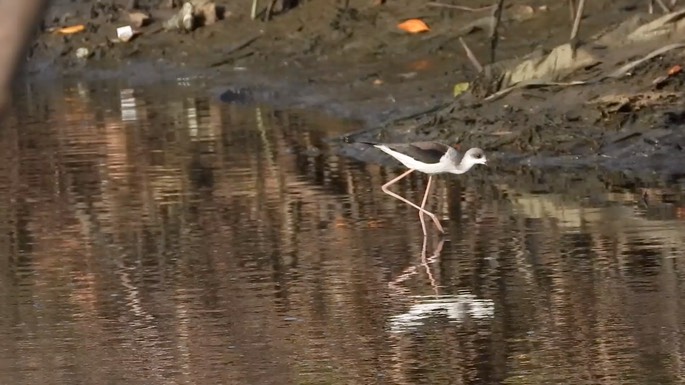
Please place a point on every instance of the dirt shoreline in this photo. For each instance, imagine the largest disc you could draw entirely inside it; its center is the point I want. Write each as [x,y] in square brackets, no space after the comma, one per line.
[354,63]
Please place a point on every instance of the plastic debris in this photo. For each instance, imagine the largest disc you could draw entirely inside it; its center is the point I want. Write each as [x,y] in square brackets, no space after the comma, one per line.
[125,33]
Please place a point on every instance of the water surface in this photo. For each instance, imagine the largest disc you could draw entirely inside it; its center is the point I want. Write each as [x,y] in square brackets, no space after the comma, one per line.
[157,236]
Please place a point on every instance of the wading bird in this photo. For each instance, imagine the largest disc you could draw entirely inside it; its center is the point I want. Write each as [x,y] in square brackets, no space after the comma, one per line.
[430,158]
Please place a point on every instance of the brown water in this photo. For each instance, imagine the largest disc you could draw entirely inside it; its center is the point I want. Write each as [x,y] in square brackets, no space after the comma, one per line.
[155,236]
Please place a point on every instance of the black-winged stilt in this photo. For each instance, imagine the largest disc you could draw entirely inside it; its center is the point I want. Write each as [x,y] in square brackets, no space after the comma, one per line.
[430,158]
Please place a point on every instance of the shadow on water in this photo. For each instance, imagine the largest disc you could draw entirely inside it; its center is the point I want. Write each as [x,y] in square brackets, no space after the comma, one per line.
[157,236]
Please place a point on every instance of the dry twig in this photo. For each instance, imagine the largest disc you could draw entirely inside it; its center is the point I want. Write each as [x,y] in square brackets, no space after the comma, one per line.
[572,9]
[227,54]
[576,22]
[471,56]
[459,7]
[253,11]
[664,7]
[535,83]
[625,69]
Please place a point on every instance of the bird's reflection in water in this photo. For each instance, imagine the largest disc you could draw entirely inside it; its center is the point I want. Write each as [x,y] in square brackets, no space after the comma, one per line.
[457,307]
[426,261]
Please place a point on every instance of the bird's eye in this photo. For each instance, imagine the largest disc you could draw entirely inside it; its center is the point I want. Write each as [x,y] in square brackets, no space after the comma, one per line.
[478,156]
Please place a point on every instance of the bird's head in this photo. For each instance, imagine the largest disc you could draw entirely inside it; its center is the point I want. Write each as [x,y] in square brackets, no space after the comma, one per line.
[475,156]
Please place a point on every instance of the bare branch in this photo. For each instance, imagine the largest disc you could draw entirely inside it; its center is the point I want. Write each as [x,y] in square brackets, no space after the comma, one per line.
[494,36]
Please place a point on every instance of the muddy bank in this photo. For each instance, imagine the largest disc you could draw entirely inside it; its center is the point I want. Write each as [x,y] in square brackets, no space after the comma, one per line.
[353,62]
[615,101]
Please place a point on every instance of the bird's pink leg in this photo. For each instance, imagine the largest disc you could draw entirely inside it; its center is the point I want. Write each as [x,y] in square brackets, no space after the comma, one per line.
[421,210]
[423,202]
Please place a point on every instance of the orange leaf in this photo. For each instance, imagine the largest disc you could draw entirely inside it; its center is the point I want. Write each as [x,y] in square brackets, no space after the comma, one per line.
[413,26]
[73,29]
[676,69]
[420,65]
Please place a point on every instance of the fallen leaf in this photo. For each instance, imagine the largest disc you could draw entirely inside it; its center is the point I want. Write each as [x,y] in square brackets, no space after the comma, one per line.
[634,102]
[420,65]
[676,69]
[413,26]
[71,29]
[460,88]
[377,82]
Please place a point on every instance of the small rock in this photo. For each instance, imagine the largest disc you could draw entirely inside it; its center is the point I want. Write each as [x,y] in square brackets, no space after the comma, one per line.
[521,12]
[138,19]
[82,53]
[183,20]
[208,13]
[187,18]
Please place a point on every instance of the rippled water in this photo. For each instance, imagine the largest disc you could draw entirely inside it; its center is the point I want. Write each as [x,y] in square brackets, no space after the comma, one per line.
[157,236]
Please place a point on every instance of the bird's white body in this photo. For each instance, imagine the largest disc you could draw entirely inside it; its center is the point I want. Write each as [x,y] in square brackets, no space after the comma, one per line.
[449,162]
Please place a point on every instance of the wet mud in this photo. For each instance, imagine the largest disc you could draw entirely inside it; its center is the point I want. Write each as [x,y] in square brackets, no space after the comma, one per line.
[350,60]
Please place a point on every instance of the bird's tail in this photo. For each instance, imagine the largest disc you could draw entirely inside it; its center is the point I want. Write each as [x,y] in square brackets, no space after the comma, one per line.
[351,140]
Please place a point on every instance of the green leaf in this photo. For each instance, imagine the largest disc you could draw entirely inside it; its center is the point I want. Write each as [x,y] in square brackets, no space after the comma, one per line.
[460,88]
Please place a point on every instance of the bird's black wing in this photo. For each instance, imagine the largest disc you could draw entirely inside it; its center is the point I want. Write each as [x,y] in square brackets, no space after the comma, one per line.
[426,152]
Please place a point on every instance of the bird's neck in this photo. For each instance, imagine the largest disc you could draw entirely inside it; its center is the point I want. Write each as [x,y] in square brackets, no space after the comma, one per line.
[462,167]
